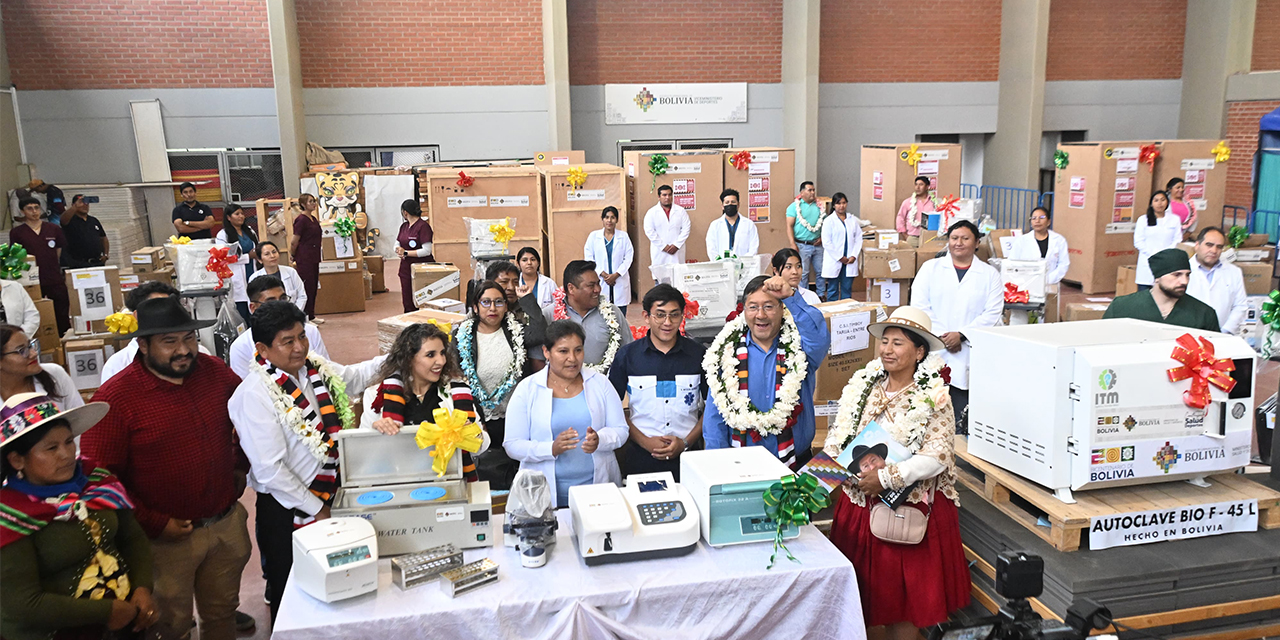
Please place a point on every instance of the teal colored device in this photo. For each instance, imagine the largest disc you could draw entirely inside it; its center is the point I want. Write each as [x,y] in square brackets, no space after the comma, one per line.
[728,487]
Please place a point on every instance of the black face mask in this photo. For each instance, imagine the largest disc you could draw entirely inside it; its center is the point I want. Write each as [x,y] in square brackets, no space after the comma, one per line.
[731,210]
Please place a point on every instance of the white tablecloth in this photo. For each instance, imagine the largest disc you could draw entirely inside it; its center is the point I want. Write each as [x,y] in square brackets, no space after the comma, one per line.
[710,593]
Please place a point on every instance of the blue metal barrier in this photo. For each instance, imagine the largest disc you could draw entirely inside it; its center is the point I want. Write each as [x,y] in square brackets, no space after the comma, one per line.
[969,191]
[1233,216]
[1046,201]
[1008,206]
[1263,221]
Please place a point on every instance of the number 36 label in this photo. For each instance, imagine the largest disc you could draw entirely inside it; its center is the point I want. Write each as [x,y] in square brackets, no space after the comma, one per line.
[85,368]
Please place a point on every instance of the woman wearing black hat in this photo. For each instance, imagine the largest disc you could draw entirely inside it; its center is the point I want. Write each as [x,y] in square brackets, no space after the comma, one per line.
[909,577]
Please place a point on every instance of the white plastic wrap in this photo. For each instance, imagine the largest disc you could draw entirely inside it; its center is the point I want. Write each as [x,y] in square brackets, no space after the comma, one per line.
[480,238]
[190,262]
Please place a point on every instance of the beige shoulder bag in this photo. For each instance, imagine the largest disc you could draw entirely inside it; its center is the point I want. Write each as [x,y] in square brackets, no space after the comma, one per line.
[904,525]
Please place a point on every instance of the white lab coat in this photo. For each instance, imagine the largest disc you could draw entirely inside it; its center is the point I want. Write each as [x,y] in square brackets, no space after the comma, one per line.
[1226,294]
[19,310]
[1166,234]
[1056,260]
[834,233]
[238,280]
[958,305]
[546,289]
[662,232]
[528,437]
[746,242]
[623,253]
[293,286]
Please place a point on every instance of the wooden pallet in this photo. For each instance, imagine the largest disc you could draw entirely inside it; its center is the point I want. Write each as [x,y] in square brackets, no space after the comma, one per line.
[1069,523]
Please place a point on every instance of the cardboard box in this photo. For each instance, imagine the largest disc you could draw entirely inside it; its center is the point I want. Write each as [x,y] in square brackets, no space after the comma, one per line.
[1052,311]
[164,275]
[446,305]
[1126,280]
[1076,311]
[95,294]
[433,280]
[85,358]
[1002,241]
[31,276]
[929,249]
[559,158]
[1257,278]
[767,187]
[1256,240]
[1192,159]
[48,332]
[852,347]
[1098,197]
[335,247]
[389,328]
[147,259]
[887,179]
[375,266]
[889,263]
[34,291]
[1188,248]
[1264,254]
[889,292]
[341,287]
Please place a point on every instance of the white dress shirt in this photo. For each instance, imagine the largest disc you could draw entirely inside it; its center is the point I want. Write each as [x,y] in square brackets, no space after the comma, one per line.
[834,235]
[280,463]
[958,305]
[1150,240]
[292,284]
[241,352]
[66,394]
[809,296]
[238,281]
[1221,287]
[121,359]
[746,240]
[662,231]
[19,310]
[1056,261]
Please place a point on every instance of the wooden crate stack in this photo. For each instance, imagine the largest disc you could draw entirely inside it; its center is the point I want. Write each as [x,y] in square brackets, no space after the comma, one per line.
[572,214]
[498,192]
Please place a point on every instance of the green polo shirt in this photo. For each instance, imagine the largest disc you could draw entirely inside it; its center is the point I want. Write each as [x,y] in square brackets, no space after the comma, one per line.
[812,214]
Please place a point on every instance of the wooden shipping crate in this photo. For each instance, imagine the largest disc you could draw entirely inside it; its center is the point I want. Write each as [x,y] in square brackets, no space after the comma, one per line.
[697,178]
[1206,179]
[887,179]
[572,214]
[766,188]
[498,192]
[282,211]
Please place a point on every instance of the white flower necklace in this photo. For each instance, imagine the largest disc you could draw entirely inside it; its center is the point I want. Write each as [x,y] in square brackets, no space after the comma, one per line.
[721,366]
[805,223]
[927,393]
[289,411]
[561,312]
[466,336]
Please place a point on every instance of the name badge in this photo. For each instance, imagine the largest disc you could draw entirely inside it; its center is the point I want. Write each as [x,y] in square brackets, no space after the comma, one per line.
[413,244]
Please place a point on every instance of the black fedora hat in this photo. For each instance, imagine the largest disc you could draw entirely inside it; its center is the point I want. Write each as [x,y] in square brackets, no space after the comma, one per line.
[165,315]
[881,449]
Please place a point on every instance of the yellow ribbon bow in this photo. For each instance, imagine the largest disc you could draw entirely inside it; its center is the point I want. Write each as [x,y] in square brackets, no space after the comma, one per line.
[912,156]
[447,434]
[122,323]
[446,327]
[179,240]
[1221,152]
[502,232]
[576,178]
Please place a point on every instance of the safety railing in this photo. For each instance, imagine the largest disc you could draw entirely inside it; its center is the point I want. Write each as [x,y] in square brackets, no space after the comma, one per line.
[1008,206]
[1265,221]
[969,190]
[1235,216]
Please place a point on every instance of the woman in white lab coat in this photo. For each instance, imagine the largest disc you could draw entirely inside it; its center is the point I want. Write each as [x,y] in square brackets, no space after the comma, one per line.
[243,243]
[612,252]
[841,248]
[960,293]
[1043,244]
[666,224]
[531,278]
[269,253]
[1153,233]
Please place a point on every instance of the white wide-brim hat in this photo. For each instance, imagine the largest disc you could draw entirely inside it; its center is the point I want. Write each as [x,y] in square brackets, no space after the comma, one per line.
[909,319]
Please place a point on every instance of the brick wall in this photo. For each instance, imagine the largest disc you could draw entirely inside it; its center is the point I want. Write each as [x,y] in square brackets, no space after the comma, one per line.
[419,43]
[1242,137]
[1107,40]
[130,44]
[1266,36]
[921,41]
[623,41]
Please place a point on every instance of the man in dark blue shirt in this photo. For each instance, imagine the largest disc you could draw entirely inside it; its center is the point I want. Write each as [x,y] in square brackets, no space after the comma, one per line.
[192,218]
[87,243]
[663,373]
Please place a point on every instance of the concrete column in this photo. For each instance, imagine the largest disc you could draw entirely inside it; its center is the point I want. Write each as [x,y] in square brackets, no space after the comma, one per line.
[1218,44]
[1012,157]
[800,23]
[11,175]
[286,68]
[555,70]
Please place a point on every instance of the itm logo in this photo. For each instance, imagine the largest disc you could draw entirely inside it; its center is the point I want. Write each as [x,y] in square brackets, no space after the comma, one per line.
[1106,382]
[644,99]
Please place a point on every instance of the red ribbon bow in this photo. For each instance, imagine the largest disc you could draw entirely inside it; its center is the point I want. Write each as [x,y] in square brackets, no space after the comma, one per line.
[948,209]
[690,311]
[465,180]
[1199,364]
[741,160]
[1148,154]
[220,264]
[639,331]
[1013,294]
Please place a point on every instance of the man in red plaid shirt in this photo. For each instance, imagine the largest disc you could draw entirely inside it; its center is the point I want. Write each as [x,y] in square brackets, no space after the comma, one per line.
[169,438]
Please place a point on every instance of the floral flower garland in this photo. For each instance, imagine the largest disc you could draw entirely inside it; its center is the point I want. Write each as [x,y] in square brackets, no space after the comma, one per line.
[294,417]
[721,361]
[560,311]
[490,400]
[930,390]
[805,223]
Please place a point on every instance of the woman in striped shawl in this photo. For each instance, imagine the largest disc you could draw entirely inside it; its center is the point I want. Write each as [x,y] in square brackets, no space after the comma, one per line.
[420,375]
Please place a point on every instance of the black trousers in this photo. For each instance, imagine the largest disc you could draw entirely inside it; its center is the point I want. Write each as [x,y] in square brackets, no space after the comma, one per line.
[495,466]
[275,543]
[960,402]
[634,459]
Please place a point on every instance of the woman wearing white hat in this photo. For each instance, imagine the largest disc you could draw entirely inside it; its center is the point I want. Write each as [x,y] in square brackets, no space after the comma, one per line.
[72,556]
[915,578]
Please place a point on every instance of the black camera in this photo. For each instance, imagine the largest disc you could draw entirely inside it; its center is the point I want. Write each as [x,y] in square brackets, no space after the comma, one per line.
[1019,577]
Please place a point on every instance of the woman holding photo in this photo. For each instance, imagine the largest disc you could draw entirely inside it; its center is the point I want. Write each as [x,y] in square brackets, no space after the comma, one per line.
[917,584]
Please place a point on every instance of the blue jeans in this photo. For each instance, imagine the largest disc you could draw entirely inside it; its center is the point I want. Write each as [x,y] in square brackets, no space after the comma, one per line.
[811,262]
[839,288]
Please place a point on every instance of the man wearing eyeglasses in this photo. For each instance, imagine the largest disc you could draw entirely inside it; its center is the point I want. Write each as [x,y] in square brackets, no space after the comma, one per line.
[261,290]
[662,372]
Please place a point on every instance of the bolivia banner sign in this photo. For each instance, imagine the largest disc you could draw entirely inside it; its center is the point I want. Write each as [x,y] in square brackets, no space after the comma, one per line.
[675,103]
[1177,523]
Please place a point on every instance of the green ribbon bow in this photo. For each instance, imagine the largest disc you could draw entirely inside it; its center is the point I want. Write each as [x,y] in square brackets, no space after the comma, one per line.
[1271,318]
[658,165]
[1236,236]
[727,255]
[790,501]
[1061,159]
[13,261]
[344,227]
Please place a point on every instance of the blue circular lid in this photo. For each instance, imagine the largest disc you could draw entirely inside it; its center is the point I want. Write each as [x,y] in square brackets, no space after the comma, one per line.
[375,497]
[427,494]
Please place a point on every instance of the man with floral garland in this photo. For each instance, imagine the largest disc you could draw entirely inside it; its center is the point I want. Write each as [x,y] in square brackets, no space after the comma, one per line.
[285,412]
[761,371]
[604,323]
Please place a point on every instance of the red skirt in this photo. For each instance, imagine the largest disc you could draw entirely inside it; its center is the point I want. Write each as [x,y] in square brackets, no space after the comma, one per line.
[921,584]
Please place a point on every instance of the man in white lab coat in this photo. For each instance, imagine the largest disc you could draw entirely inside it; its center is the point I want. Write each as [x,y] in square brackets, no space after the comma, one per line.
[731,232]
[1215,283]
[667,226]
[959,292]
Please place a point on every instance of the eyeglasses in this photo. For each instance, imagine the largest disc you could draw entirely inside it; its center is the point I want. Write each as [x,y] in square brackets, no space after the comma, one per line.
[493,303]
[25,350]
[767,307]
[663,316]
[1039,217]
